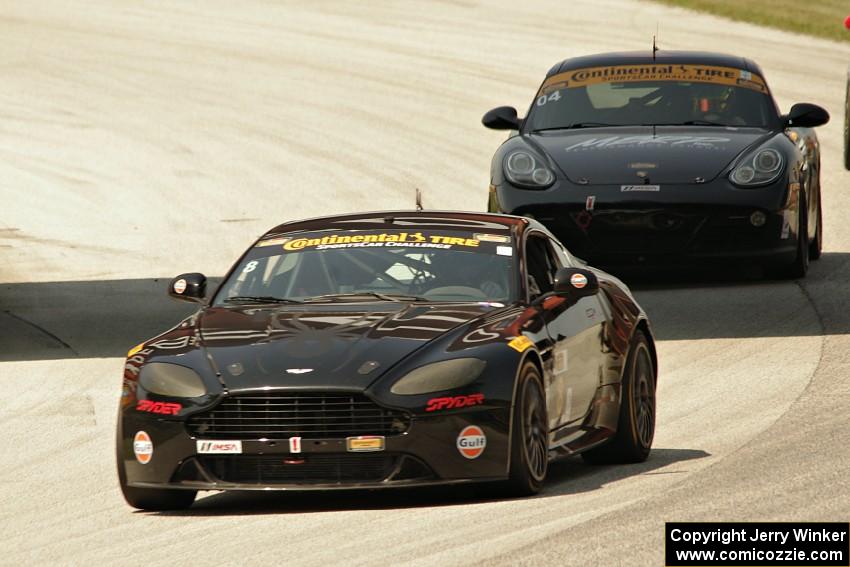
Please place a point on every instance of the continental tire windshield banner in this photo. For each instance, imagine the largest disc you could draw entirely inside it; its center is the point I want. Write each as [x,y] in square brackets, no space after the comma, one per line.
[486,243]
[576,78]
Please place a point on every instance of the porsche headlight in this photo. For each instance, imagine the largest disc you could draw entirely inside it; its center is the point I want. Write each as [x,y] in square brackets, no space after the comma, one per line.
[171,380]
[438,376]
[757,168]
[523,169]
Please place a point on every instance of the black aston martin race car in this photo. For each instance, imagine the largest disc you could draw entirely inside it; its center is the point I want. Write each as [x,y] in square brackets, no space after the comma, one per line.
[664,158]
[387,350]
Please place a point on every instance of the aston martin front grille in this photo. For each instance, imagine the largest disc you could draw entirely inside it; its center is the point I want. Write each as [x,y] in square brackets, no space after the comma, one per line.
[310,415]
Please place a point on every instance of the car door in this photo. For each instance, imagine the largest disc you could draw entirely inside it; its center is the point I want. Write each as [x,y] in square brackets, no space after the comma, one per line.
[576,333]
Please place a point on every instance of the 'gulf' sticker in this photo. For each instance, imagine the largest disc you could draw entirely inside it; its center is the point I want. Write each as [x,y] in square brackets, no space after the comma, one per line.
[578,280]
[471,442]
[180,286]
[143,447]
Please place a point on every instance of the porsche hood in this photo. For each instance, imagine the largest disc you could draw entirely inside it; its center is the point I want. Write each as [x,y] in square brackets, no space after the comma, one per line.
[322,346]
[646,154]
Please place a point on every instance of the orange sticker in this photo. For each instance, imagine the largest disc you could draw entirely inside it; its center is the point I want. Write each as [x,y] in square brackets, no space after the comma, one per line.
[143,447]
[471,442]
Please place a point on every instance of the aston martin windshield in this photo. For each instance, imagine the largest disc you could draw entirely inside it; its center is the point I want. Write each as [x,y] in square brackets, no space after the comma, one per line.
[385,265]
[622,95]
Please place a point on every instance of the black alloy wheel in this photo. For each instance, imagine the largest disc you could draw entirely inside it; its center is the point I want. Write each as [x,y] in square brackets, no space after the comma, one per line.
[530,436]
[636,426]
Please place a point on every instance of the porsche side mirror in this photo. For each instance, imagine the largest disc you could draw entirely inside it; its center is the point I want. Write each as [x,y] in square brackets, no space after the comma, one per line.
[501,118]
[188,287]
[575,283]
[805,115]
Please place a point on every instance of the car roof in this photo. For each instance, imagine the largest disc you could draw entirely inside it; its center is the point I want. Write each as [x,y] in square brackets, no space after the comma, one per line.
[662,56]
[431,220]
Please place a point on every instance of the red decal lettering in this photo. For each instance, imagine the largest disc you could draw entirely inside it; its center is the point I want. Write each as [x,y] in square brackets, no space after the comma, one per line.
[162,408]
[436,404]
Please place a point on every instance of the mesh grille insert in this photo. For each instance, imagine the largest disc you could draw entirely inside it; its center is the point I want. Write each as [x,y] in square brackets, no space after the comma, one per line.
[304,414]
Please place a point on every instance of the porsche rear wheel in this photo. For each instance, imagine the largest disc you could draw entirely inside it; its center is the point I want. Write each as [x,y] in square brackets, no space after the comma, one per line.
[151,498]
[816,247]
[530,436]
[636,426]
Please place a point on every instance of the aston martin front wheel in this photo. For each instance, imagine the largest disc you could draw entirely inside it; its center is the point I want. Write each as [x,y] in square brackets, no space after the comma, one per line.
[530,435]
[636,425]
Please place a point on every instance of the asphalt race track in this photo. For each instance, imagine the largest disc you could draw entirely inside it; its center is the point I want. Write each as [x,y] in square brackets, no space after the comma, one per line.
[139,140]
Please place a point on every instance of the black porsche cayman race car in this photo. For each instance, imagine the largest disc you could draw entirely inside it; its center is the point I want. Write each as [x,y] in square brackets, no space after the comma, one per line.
[388,349]
[672,157]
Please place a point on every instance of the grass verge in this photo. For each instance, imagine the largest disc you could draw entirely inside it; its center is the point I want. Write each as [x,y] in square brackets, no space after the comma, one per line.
[821,18]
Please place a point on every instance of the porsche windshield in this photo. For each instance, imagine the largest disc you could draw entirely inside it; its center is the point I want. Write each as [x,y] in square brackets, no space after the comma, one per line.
[395,265]
[652,95]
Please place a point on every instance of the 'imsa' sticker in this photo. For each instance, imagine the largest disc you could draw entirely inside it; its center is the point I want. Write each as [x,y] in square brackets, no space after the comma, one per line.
[219,447]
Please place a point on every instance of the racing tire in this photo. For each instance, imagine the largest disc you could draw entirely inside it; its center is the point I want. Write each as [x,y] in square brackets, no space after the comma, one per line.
[636,425]
[800,266]
[816,246]
[152,499]
[847,122]
[529,451]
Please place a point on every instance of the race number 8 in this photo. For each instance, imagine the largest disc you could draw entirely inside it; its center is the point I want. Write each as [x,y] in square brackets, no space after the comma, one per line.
[543,99]
[250,267]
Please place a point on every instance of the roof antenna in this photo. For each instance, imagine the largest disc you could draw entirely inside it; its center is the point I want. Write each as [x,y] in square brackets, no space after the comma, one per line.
[654,45]
[418,199]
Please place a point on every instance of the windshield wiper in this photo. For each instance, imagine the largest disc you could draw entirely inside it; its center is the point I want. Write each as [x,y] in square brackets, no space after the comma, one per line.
[382,296]
[576,126]
[259,299]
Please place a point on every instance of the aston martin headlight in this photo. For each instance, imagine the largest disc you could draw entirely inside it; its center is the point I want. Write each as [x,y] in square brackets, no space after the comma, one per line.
[757,168]
[525,170]
[171,380]
[438,376]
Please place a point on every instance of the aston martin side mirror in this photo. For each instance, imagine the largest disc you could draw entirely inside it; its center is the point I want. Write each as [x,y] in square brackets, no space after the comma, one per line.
[575,283]
[805,115]
[501,118]
[188,287]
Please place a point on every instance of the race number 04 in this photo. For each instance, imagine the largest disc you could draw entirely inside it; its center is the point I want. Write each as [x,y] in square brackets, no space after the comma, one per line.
[543,99]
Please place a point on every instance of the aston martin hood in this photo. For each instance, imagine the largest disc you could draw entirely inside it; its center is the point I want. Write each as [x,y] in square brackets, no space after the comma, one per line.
[641,154]
[322,346]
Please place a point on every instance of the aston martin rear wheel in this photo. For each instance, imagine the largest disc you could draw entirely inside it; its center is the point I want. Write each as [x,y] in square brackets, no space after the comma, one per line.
[530,435]
[636,425]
